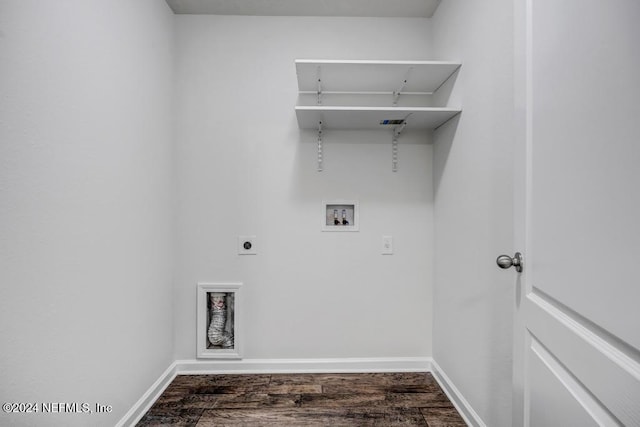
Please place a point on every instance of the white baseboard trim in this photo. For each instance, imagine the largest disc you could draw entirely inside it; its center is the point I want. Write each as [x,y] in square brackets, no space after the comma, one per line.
[143,404]
[293,366]
[470,416]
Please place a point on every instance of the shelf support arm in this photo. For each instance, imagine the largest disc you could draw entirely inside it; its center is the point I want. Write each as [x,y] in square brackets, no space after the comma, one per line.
[396,93]
[320,160]
[319,89]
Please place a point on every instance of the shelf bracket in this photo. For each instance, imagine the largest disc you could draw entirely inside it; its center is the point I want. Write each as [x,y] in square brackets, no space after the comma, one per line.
[320,165]
[319,91]
[394,155]
[394,146]
[396,93]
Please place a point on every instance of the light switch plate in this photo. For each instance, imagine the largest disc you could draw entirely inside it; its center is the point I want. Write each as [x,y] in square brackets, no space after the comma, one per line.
[247,245]
[387,245]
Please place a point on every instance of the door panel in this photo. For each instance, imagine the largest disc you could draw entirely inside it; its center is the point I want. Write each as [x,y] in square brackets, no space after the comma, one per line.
[577,357]
[551,401]
[586,157]
[603,378]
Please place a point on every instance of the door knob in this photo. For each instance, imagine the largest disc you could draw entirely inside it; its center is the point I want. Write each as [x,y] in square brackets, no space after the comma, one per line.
[505,261]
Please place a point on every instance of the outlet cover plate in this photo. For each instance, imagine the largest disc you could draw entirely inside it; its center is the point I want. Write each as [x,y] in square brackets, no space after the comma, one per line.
[247,245]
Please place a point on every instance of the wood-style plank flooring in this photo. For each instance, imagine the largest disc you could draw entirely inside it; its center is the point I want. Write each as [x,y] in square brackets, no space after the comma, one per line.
[385,399]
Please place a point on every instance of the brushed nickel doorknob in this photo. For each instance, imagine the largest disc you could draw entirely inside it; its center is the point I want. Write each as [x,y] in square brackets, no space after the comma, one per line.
[505,261]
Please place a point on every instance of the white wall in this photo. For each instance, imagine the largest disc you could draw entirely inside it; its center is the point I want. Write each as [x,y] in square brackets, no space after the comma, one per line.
[85,204]
[244,167]
[473,207]
[86,199]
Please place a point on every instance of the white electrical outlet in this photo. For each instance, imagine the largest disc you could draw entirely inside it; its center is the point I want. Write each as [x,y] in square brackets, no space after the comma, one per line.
[387,245]
[247,245]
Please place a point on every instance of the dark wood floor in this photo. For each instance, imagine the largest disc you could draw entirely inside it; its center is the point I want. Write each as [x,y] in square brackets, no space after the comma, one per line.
[388,399]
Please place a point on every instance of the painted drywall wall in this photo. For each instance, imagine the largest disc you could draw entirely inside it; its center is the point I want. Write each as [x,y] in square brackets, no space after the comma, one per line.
[85,205]
[473,185]
[244,168]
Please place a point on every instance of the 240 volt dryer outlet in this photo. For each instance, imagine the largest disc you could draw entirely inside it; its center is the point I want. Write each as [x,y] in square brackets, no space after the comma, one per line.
[247,245]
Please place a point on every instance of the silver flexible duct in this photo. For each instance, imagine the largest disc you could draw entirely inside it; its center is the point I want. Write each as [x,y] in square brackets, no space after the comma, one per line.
[217,334]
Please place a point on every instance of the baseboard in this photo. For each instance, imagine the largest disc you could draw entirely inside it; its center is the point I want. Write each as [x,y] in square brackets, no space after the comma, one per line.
[470,416]
[143,404]
[290,366]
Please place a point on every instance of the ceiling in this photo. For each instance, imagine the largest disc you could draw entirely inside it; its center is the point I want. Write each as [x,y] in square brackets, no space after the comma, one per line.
[370,8]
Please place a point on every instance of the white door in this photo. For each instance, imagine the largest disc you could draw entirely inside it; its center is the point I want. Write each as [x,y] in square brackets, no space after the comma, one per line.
[577,343]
